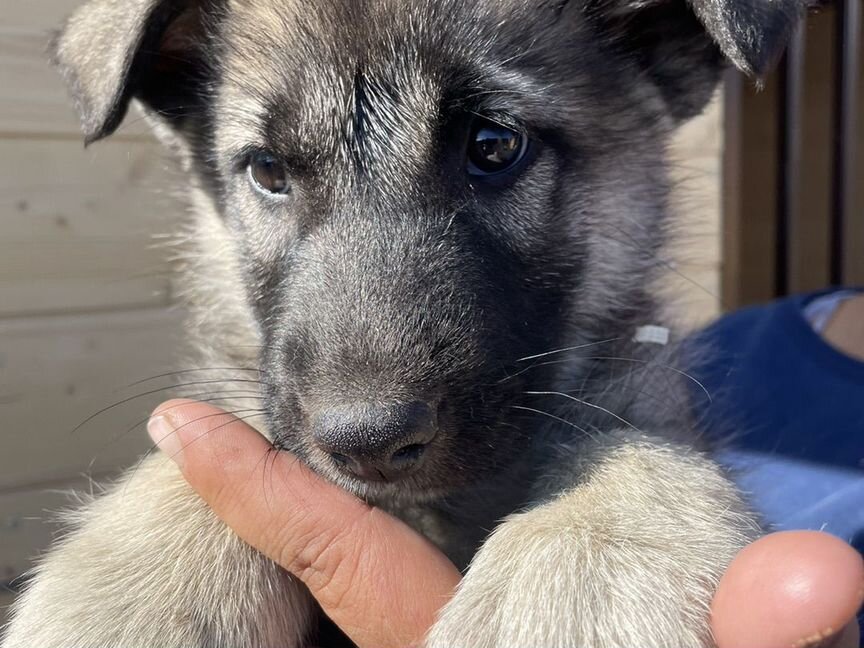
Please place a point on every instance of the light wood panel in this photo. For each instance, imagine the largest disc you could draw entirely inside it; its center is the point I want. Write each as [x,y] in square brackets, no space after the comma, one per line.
[36,15]
[702,136]
[693,254]
[78,227]
[28,521]
[55,372]
[33,100]
[6,599]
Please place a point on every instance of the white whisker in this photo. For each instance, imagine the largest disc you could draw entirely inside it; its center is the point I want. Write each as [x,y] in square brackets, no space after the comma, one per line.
[660,365]
[587,404]
[565,350]
[552,416]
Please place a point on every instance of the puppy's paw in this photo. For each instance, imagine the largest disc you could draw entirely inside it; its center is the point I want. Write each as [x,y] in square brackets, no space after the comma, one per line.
[539,584]
[148,565]
[631,557]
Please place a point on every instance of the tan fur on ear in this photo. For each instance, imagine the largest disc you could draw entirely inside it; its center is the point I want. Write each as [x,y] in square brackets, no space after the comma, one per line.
[94,52]
[106,47]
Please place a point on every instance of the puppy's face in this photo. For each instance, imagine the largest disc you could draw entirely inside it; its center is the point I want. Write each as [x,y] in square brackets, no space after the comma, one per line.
[424,196]
[412,192]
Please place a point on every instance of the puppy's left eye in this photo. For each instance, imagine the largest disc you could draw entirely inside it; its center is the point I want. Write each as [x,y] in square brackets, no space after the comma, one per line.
[268,174]
[493,148]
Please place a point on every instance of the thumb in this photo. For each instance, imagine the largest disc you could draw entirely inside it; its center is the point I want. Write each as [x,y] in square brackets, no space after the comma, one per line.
[793,588]
[377,579]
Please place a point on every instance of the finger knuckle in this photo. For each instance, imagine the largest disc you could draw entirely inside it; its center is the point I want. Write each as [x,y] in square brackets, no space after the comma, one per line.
[327,560]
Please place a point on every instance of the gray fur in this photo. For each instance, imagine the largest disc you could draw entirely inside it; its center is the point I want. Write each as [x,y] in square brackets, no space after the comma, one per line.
[388,274]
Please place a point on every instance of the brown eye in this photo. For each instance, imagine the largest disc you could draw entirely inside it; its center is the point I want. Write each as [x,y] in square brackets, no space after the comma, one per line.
[493,148]
[268,174]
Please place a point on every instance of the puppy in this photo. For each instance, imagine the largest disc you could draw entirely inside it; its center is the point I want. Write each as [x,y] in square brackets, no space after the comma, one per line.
[432,226]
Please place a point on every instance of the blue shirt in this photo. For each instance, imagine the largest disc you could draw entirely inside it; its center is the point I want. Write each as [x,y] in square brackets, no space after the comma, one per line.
[789,409]
[792,408]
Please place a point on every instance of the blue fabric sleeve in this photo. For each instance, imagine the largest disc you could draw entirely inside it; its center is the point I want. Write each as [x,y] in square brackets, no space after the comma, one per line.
[789,410]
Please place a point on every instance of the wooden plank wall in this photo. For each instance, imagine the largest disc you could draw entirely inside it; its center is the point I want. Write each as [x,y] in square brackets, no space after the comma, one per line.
[85,294]
[693,256]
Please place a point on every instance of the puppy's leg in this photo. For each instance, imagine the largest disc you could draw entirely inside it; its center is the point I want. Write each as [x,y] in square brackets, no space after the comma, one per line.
[148,565]
[630,556]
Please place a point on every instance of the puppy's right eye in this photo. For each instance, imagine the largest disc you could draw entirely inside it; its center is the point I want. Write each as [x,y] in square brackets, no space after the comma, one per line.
[493,148]
[268,174]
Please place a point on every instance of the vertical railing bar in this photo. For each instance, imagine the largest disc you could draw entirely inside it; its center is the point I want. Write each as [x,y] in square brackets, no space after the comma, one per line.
[790,158]
[731,245]
[848,43]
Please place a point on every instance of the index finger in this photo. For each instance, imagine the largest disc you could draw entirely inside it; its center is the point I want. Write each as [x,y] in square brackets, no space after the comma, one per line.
[377,579]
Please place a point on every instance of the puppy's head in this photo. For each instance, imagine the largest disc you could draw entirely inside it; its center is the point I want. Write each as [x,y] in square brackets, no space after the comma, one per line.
[423,194]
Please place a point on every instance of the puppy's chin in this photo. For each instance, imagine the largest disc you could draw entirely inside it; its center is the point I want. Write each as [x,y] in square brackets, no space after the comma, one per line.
[414,490]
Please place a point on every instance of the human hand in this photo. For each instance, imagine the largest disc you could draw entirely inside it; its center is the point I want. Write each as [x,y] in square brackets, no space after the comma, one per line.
[377,579]
[383,584]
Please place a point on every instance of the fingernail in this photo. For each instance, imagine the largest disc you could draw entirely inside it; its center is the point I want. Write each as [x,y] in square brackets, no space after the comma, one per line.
[828,638]
[163,432]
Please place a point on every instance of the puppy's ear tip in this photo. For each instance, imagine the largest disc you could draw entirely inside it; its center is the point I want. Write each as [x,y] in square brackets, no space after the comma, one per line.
[99,114]
[96,121]
[92,136]
[755,62]
[100,122]
[752,34]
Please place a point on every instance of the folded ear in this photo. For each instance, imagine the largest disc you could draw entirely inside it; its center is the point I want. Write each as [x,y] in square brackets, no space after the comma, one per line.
[110,51]
[751,33]
[681,44]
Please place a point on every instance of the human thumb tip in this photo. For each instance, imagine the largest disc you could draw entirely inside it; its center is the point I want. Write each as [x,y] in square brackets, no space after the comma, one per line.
[793,588]
[176,424]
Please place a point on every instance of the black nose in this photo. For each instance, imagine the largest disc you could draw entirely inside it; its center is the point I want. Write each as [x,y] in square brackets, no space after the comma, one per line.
[377,442]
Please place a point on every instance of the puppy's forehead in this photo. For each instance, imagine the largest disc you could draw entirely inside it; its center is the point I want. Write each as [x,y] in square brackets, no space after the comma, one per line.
[345,30]
[312,64]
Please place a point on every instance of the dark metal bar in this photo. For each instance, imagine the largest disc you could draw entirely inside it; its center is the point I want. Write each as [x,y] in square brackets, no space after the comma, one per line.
[731,197]
[791,99]
[750,179]
[845,154]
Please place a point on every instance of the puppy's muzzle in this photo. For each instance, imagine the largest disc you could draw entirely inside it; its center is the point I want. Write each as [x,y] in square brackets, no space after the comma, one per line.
[377,442]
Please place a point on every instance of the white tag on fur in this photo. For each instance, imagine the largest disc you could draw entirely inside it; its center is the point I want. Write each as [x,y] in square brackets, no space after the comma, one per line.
[652,335]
